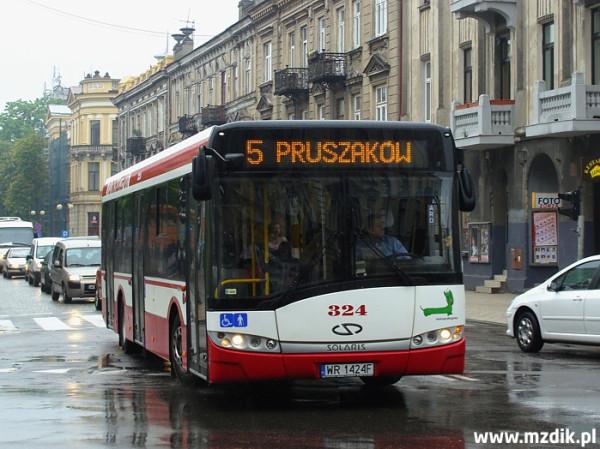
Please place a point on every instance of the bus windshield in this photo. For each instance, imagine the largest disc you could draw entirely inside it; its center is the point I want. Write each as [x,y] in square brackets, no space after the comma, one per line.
[286,231]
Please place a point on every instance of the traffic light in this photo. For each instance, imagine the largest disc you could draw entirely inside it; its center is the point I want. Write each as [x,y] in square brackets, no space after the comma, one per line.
[574,198]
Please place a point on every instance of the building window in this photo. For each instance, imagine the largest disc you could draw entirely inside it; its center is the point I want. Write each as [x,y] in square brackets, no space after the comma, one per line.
[380,17]
[467,76]
[93,223]
[211,90]
[321,111]
[321,34]
[548,54]
[248,76]
[304,39]
[305,115]
[292,49]
[236,80]
[94,132]
[381,103]
[427,91]
[93,176]
[340,30]
[268,75]
[596,46]
[356,107]
[503,66]
[291,116]
[356,24]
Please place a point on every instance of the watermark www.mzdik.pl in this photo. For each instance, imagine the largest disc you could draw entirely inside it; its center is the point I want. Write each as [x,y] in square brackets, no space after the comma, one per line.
[556,436]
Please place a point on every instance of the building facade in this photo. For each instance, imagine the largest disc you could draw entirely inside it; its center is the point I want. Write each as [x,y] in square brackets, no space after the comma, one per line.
[58,122]
[517,83]
[91,149]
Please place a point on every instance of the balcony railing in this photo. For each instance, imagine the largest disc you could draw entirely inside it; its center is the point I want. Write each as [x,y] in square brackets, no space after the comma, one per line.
[483,124]
[567,111]
[327,67]
[91,149]
[213,115]
[291,81]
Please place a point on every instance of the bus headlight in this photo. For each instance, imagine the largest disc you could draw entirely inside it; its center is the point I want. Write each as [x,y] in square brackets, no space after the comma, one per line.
[438,337]
[244,342]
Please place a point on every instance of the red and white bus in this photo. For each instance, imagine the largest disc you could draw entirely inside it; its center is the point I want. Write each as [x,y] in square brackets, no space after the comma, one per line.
[291,249]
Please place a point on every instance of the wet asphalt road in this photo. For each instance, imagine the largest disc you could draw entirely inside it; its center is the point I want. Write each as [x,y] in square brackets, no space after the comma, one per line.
[74,388]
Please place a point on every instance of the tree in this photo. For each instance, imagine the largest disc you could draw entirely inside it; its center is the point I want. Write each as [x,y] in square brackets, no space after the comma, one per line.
[22,117]
[25,176]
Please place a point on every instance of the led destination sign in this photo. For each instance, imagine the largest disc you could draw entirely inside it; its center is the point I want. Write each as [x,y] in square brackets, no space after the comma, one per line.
[261,152]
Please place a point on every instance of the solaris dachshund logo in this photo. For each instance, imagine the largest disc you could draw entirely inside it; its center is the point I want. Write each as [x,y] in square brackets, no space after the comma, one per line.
[447,310]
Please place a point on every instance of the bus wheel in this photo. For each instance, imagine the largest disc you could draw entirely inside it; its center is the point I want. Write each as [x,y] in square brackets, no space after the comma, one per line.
[128,346]
[380,381]
[176,352]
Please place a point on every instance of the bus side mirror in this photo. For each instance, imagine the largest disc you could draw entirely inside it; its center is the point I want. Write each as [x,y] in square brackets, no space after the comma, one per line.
[466,190]
[201,177]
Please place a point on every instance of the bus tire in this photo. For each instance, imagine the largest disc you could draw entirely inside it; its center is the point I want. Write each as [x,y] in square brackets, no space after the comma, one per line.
[175,351]
[380,381]
[527,331]
[127,346]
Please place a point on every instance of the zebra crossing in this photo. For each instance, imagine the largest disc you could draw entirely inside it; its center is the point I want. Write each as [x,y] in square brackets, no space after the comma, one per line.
[9,325]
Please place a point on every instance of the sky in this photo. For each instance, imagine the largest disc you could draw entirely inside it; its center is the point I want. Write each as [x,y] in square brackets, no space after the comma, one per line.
[76,37]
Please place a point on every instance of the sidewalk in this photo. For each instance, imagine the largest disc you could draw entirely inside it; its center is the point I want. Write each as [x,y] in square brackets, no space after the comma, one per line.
[488,307]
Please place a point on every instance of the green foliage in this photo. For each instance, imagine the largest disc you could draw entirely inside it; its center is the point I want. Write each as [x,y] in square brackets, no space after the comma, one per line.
[22,117]
[25,176]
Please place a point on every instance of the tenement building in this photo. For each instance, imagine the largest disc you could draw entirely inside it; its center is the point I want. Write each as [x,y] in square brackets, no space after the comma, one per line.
[516,81]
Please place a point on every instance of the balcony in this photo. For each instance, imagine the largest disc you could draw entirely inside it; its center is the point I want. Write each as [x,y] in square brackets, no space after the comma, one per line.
[486,10]
[136,145]
[567,111]
[484,124]
[291,82]
[213,115]
[327,67]
[91,150]
[187,125]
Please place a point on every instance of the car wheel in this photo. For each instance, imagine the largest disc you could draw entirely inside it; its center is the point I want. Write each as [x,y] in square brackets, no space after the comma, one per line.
[8,275]
[54,293]
[29,280]
[528,333]
[35,281]
[97,302]
[66,298]
[380,381]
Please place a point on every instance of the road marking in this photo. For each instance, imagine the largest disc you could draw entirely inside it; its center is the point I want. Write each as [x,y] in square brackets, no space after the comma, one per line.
[96,320]
[7,370]
[52,324]
[461,377]
[442,377]
[7,326]
[53,371]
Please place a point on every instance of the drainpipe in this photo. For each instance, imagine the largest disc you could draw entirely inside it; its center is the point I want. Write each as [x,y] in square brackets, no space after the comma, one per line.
[400,61]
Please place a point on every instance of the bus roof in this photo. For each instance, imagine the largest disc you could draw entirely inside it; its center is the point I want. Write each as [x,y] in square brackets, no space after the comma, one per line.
[14,222]
[171,163]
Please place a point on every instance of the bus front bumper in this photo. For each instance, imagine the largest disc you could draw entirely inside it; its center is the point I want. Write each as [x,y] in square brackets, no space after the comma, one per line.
[226,365]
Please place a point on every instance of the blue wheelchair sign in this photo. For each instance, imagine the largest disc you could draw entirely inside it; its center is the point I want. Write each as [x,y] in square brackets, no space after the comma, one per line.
[64,234]
[233,320]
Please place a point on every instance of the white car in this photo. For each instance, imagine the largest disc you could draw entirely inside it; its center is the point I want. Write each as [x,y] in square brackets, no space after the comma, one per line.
[565,308]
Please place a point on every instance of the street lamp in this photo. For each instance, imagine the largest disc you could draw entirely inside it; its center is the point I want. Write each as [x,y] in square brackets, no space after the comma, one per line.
[64,223]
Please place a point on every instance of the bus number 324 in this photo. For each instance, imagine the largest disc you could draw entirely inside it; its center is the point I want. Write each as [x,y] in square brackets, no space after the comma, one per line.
[346,310]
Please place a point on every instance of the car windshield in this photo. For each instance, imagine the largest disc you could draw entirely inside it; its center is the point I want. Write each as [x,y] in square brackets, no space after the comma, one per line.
[16,235]
[82,257]
[287,231]
[43,250]
[18,252]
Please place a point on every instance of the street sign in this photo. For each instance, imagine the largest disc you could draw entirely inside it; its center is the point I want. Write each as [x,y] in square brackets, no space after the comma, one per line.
[64,234]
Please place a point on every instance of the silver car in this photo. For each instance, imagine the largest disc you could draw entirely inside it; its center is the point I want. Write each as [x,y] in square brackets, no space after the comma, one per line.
[39,248]
[14,262]
[73,270]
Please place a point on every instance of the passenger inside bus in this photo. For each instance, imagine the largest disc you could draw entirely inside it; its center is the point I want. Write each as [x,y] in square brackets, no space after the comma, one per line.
[279,247]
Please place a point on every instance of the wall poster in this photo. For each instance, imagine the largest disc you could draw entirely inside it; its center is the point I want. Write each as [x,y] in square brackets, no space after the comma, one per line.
[544,239]
[479,238]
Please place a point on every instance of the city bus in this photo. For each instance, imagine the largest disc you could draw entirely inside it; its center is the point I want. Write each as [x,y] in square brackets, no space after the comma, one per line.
[14,232]
[279,250]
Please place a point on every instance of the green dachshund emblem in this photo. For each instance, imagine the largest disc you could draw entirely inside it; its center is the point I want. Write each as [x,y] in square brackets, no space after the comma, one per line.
[447,310]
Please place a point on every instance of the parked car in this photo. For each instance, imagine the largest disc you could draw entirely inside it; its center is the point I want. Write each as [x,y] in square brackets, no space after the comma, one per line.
[73,268]
[565,308]
[5,248]
[14,262]
[40,247]
[45,281]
